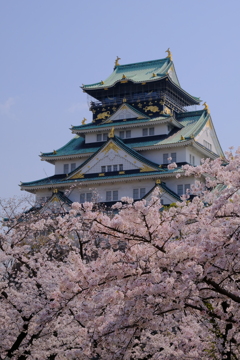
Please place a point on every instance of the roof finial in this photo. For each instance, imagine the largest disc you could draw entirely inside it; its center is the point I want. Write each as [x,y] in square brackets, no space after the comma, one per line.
[83,121]
[116,61]
[206,107]
[169,54]
[111,133]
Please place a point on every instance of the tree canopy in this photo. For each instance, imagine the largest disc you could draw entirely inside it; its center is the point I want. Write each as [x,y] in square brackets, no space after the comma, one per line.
[136,283]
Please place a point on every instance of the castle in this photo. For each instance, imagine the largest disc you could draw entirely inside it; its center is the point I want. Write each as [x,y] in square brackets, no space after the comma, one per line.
[140,123]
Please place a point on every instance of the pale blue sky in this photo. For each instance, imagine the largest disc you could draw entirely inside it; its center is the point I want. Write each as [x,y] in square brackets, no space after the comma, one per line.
[50,47]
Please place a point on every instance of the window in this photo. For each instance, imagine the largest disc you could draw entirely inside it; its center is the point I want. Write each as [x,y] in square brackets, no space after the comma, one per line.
[115,195]
[103,169]
[102,137]
[128,134]
[85,197]
[148,131]
[66,168]
[112,195]
[174,157]
[192,159]
[145,132]
[180,190]
[183,189]
[207,144]
[137,192]
[105,137]
[142,192]
[151,131]
[109,168]
[73,166]
[165,158]
[115,167]
[121,134]
[121,167]
[125,134]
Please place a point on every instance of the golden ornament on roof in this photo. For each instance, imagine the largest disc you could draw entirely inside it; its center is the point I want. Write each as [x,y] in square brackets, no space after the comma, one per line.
[169,54]
[124,76]
[111,133]
[54,151]
[84,121]
[206,107]
[116,61]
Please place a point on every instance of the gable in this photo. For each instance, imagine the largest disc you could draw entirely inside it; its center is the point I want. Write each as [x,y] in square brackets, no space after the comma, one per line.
[126,112]
[166,195]
[120,159]
[208,138]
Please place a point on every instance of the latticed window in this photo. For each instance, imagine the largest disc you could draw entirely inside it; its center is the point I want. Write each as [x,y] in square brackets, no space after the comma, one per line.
[151,131]
[165,158]
[145,132]
[115,195]
[128,134]
[73,166]
[109,168]
[108,195]
[115,167]
[99,137]
[85,197]
[66,168]
[142,192]
[121,167]
[135,194]
[121,134]
[103,169]
[105,136]
[112,195]
[174,157]
[180,189]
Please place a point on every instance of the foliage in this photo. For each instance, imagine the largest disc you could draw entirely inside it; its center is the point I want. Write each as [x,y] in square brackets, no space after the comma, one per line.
[140,284]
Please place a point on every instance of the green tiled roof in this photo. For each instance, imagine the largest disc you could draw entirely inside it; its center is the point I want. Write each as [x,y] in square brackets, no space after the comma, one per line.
[163,186]
[191,122]
[137,72]
[116,123]
[73,147]
[61,179]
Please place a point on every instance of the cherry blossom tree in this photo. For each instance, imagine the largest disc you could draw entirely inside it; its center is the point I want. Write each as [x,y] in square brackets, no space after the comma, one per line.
[137,283]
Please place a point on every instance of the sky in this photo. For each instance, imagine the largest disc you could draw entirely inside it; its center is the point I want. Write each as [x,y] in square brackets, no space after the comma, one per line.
[49,48]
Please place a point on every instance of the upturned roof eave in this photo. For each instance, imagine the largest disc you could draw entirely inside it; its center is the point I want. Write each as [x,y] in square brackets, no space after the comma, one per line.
[97,180]
[142,122]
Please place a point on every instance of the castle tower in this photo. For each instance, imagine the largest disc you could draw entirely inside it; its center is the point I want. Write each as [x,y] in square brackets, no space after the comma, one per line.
[140,120]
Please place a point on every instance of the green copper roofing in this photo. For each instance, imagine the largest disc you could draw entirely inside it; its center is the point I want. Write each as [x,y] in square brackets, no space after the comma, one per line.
[55,180]
[73,147]
[163,186]
[119,122]
[138,72]
[191,123]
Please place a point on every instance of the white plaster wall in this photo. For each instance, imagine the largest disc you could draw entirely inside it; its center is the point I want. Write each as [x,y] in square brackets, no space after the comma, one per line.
[160,129]
[124,189]
[207,134]
[59,165]
[198,156]
[42,196]
[157,155]
[173,182]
